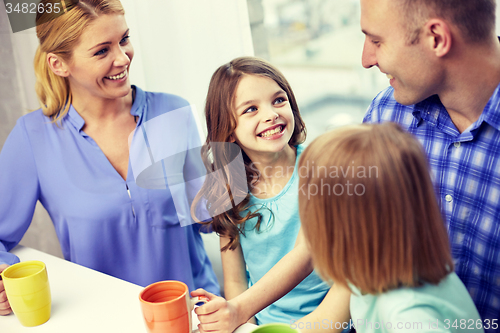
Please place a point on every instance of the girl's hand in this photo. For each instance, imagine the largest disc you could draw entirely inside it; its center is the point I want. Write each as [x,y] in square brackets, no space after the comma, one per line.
[4,303]
[218,315]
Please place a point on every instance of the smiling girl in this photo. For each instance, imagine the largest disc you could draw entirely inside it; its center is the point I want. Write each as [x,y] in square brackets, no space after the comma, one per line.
[251,104]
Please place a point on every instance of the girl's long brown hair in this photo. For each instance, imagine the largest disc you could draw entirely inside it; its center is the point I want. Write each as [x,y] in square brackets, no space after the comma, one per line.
[221,123]
[369,210]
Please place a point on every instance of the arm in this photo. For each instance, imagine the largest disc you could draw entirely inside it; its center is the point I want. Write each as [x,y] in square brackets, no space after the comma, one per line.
[244,303]
[19,184]
[233,267]
[219,315]
[333,309]
[296,266]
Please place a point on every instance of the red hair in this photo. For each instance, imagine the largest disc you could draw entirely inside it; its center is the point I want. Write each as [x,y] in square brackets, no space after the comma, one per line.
[387,231]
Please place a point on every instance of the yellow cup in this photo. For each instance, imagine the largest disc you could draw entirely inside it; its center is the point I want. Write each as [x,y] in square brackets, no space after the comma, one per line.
[28,291]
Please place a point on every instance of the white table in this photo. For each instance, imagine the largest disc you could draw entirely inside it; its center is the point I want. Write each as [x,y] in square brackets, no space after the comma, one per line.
[84,300]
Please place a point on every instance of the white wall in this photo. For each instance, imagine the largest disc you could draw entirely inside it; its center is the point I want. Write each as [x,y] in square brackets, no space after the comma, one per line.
[180,43]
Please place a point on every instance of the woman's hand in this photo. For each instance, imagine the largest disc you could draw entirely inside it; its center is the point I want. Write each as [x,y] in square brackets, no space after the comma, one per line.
[4,303]
[218,315]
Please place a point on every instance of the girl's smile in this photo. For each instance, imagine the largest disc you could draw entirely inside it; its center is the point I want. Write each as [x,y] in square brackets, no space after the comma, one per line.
[273,132]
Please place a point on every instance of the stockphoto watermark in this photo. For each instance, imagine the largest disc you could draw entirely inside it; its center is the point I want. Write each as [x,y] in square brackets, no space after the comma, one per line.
[397,326]
[166,154]
[348,178]
[23,14]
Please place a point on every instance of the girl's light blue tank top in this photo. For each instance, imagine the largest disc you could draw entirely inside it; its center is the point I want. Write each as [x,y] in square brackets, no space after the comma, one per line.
[264,248]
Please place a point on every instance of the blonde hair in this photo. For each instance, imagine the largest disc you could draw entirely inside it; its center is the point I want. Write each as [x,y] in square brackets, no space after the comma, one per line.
[385,233]
[59,34]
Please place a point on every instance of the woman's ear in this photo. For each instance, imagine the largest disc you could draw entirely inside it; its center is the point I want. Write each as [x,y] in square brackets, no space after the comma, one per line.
[232,139]
[57,65]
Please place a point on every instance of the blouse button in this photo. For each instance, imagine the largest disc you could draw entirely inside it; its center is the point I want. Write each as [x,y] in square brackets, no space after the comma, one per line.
[448,198]
[457,144]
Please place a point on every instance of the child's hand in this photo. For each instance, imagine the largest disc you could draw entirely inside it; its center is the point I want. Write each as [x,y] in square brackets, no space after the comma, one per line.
[218,315]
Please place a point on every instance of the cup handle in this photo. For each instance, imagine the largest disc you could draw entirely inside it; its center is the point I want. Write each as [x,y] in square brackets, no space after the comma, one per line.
[198,299]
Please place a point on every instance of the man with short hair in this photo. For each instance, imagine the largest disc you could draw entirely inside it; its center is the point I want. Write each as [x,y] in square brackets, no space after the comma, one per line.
[443,61]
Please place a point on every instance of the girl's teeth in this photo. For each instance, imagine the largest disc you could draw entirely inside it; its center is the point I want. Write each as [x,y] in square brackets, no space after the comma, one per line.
[117,77]
[271,132]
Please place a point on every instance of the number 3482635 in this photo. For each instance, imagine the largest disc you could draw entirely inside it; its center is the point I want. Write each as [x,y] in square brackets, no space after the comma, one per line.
[32,8]
[471,324]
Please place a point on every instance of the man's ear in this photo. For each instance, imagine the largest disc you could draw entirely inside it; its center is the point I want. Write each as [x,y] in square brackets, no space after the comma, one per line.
[437,35]
[57,65]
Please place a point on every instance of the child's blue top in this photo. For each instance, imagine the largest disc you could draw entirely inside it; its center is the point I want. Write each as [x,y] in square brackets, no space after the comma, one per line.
[446,307]
[263,249]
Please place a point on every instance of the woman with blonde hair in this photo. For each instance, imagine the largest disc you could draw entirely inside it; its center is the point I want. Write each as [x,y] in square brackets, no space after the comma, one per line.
[372,223]
[72,155]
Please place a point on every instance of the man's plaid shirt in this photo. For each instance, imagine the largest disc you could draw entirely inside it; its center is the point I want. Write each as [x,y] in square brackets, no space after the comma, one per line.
[466,173]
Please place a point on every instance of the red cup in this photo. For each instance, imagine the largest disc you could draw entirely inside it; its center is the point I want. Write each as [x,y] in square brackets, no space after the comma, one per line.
[166,307]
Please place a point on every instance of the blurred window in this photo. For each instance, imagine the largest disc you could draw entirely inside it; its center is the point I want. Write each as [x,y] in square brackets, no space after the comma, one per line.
[317,44]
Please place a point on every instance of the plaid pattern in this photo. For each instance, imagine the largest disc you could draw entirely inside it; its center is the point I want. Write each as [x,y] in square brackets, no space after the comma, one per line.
[466,172]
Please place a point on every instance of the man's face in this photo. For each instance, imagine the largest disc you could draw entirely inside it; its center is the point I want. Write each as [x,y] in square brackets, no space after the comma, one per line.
[409,67]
